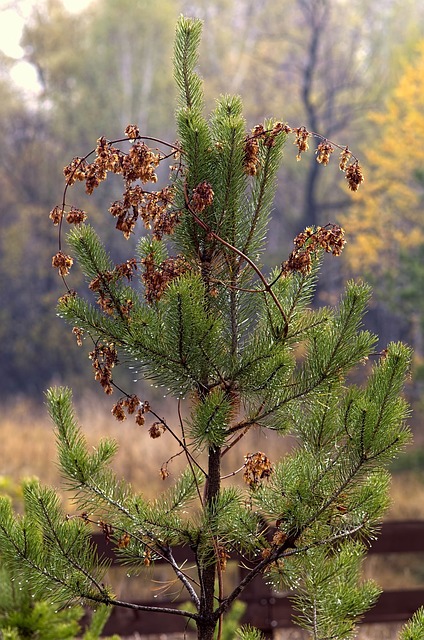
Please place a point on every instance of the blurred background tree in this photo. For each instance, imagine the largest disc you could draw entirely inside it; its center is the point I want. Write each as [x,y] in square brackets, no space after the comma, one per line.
[325,64]
[390,208]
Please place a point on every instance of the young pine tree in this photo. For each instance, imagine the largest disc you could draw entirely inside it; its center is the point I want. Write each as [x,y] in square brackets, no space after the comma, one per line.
[247,352]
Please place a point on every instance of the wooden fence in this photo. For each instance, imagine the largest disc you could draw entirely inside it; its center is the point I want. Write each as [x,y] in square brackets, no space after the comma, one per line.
[268,611]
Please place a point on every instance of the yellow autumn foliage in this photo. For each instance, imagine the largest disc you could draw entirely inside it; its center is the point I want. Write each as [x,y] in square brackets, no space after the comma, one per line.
[387,214]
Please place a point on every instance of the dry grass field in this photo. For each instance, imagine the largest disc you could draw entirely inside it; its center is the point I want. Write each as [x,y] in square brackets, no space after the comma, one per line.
[28,449]
[28,444]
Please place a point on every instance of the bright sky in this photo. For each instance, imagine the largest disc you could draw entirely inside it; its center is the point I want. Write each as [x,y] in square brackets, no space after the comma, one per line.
[11,24]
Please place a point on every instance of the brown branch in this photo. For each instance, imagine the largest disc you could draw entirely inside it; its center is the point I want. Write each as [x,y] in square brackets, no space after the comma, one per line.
[152,609]
[180,442]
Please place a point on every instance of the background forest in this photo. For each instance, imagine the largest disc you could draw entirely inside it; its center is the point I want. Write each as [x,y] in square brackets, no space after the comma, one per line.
[352,71]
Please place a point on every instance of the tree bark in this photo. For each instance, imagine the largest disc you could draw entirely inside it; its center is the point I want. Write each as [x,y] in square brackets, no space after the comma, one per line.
[207,623]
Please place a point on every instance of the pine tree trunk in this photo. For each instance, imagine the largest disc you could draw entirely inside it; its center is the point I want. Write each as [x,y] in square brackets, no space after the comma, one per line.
[206,626]
[205,631]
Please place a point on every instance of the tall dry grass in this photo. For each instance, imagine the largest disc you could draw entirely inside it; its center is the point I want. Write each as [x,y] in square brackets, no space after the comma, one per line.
[28,445]
[28,449]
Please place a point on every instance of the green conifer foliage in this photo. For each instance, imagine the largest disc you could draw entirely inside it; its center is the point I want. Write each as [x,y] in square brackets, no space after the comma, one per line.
[244,351]
[23,617]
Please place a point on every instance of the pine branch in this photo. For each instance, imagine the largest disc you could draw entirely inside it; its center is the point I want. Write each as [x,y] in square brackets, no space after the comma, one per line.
[263,191]
[181,576]
[187,40]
